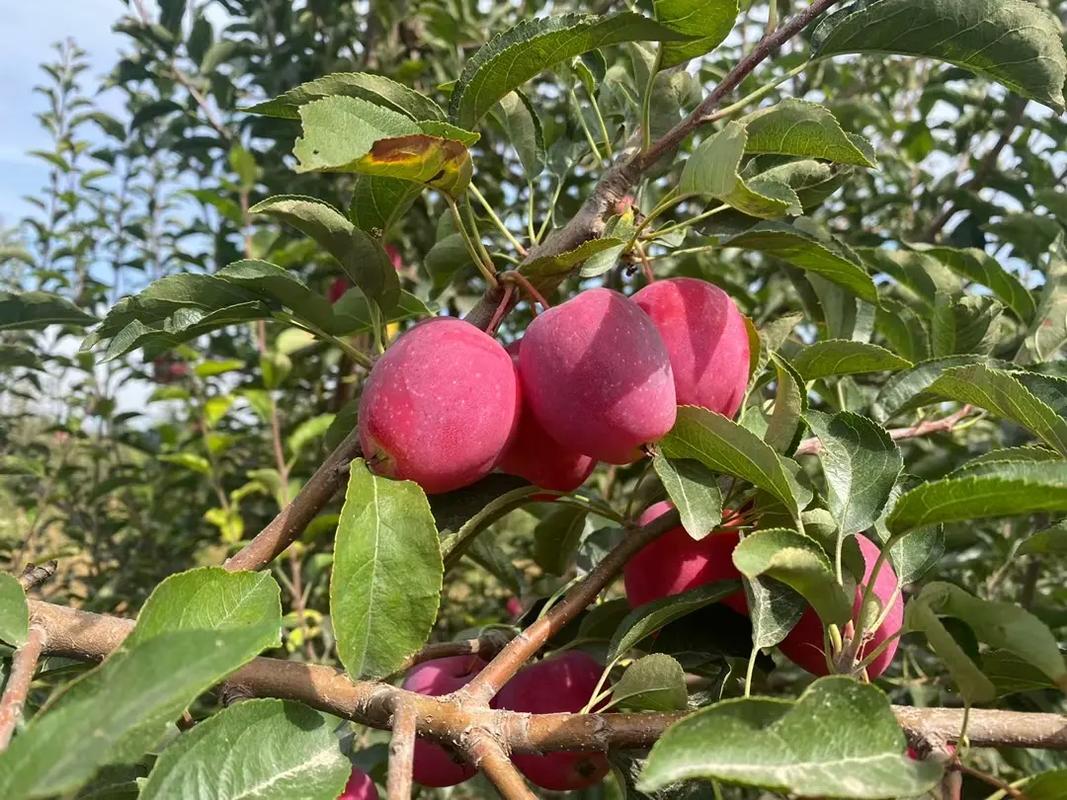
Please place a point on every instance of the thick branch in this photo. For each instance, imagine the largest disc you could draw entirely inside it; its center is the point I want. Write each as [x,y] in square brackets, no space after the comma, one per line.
[283,530]
[488,756]
[813,446]
[402,752]
[90,637]
[589,222]
[520,649]
[23,665]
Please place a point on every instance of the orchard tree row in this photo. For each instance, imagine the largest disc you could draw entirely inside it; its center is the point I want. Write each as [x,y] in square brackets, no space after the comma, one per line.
[444,398]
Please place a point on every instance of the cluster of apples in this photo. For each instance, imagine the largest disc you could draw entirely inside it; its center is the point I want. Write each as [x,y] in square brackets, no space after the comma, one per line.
[676,562]
[563,682]
[593,379]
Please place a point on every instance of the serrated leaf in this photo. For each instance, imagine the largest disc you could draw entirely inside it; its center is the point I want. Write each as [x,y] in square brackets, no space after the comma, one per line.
[694,491]
[273,283]
[1003,394]
[711,20]
[556,538]
[858,752]
[258,748]
[1010,41]
[14,612]
[724,446]
[1003,489]
[835,357]
[375,89]
[805,251]
[562,263]
[37,310]
[651,683]
[196,628]
[898,392]
[386,582]
[1048,541]
[712,171]
[980,267]
[861,464]
[523,128]
[511,58]
[645,620]
[962,324]
[773,609]
[348,134]
[799,562]
[802,129]
[1048,333]
[790,402]
[378,202]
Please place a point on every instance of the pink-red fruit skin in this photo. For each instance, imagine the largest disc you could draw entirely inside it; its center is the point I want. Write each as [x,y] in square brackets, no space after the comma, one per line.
[804,644]
[706,338]
[597,376]
[561,683]
[675,562]
[540,459]
[433,765]
[440,406]
[359,787]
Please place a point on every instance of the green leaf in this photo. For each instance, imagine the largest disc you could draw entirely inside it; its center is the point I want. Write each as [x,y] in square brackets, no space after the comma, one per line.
[14,612]
[773,609]
[1050,541]
[839,739]
[348,134]
[1048,333]
[861,464]
[799,562]
[827,259]
[790,402]
[511,58]
[363,259]
[651,683]
[645,620]
[1003,394]
[386,582]
[724,446]
[962,324]
[712,171]
[835,357]
[275,284]
[1047,785]
[491,505]
[978,266]
[693,490]
[379,202]
[799,128]
[968,676]
[523,128]
[1011,674]
[562,263]
[711,20]
[1010,41]
[352,312]
[375,89]
[37,310]
[1003,489]
[196,628]
[557,536]
[1022,453]
[899,390]
[258,748]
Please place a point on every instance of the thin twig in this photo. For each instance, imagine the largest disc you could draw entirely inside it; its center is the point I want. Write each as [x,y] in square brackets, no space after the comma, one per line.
[487,646]
[490,758]
[813,446]
[36,574]
[992,780]
[291,520]
[23,665]
[519,650]
[402,752]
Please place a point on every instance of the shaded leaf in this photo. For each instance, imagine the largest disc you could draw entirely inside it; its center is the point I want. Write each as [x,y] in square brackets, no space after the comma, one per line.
[693,490]
[803,129]
[651,683]
[38,310]
[14,612]
[843,357]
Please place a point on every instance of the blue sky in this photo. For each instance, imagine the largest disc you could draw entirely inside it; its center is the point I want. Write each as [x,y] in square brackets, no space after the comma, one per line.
[30,28]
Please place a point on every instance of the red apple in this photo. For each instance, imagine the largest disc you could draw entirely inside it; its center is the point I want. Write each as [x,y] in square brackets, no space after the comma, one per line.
[359,787]
[675,562]
[562,683]
[540,459]
[706,338]
[435,766]
[337,289]
[804,644]
[440,406]
[597,376]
